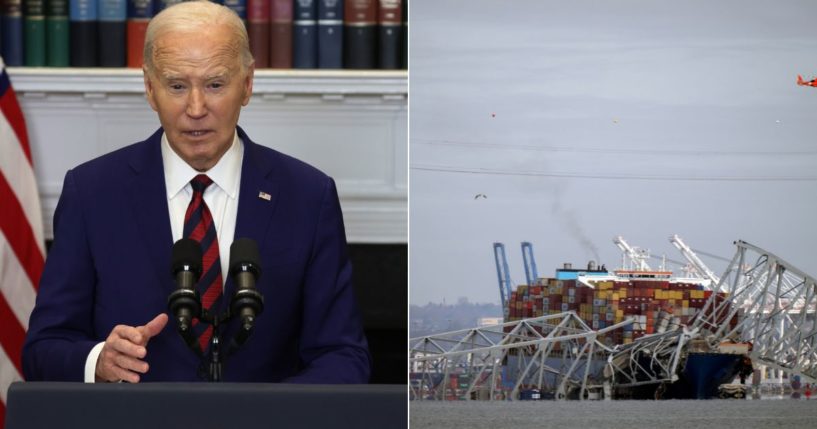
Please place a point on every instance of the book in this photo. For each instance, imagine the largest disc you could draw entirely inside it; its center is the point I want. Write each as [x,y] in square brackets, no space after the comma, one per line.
[258,28]
[160,5]
[82,20]
[139,14]
[34,33]
[112,44]
[57,34]
[405,35]
[390,29]
[11,22]
[330,34]
[305,34]
[238,6]
[360,34]
[280,56]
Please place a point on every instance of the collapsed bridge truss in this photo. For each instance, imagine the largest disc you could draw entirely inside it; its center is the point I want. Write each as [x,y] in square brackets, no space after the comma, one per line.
[767,302]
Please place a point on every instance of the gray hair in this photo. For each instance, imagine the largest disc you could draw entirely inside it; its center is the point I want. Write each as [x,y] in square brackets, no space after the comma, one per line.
[197,16]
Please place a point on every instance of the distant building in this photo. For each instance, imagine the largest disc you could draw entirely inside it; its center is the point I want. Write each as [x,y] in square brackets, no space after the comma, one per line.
[488,321]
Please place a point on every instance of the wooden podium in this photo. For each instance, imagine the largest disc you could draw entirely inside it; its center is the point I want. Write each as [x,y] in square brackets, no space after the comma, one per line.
[46,405]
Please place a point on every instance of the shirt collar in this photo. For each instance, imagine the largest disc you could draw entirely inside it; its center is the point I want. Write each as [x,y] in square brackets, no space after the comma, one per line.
[225,174]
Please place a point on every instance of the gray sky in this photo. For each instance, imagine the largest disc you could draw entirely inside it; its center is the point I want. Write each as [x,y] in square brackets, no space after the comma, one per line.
[635,118]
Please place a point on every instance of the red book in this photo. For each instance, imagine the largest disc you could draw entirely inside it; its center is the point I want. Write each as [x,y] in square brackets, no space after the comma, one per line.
[258,27]
[139,14]
[136,41]
[281,34]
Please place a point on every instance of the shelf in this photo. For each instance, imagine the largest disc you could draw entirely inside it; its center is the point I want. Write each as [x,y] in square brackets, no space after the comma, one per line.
[388,84]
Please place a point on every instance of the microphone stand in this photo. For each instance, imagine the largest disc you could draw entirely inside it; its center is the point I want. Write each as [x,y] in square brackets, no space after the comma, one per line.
[216,361]
[215,358]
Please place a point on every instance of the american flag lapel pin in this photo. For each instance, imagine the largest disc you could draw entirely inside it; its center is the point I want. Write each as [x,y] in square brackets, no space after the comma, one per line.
[264,196]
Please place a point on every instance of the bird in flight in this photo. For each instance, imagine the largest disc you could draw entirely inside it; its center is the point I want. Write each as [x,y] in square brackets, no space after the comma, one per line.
[478,196]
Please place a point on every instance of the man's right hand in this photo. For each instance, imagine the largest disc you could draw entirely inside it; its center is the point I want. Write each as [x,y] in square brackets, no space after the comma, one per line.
[126,346]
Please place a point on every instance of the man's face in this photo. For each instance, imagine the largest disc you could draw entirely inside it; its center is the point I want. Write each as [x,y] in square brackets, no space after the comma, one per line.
[198,88]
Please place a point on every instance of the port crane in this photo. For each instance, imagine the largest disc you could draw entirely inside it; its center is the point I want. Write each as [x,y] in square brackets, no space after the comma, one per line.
[530,264]
[504,276]
[694,260]
[638,257]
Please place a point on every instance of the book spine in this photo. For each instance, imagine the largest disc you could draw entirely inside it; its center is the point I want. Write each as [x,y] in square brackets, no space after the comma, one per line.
[258,28]
[161,5]
[281,34]
[239,7]
[404,59]
[57,33]
[389,26]
[11,21]
[34,33]
[82,17]
[305,35]
[139,14]
[330,34]
[360,34]
[112,43]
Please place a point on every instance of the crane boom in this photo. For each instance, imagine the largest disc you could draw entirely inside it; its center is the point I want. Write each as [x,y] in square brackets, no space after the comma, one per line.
[693,259]
[637,256]
[530,264]
[504,276]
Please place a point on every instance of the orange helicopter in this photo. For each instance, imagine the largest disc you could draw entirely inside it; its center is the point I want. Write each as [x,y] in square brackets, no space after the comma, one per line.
[802,82]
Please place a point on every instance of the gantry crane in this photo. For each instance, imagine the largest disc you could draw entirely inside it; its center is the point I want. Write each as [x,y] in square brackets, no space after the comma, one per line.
[503,275]
[693,259]
[638,257]
[530,264]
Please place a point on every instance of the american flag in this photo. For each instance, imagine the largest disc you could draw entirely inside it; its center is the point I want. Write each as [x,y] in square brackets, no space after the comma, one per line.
[22,248]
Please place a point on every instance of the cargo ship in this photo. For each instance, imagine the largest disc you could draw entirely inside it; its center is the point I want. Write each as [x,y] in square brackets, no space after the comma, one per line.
[656,301]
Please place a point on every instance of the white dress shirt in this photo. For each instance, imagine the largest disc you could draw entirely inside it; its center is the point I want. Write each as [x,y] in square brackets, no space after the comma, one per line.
[221,198]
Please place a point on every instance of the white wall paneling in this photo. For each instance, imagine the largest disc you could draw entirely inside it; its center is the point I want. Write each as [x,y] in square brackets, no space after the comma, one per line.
[350,124]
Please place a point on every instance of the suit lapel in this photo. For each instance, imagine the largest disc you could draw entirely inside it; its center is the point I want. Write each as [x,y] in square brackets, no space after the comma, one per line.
[148,199]
[257,198]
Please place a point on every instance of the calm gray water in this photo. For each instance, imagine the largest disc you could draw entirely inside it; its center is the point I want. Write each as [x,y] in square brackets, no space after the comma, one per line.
[673,414]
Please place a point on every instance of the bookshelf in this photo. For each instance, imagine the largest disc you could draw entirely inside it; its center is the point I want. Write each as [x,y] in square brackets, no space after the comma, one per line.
[351,124]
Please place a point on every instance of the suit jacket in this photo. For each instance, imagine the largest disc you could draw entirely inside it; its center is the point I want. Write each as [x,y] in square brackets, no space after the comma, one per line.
[110,264]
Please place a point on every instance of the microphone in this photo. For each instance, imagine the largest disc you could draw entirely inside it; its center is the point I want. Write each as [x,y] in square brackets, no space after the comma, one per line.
[184,303]
[245,268]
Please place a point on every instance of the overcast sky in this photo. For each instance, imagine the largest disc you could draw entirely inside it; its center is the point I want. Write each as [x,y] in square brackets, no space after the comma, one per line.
[583,120]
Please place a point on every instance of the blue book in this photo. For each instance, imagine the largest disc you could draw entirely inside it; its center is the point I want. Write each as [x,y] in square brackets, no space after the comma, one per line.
[305,35]
[239,6]
[330,34]
[161,5]
[112,42]
[12,32]
[82,23]
[390,29]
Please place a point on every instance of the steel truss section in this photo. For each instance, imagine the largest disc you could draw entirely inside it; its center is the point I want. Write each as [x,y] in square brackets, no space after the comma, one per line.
[653,359]
[770,303]
[557,354]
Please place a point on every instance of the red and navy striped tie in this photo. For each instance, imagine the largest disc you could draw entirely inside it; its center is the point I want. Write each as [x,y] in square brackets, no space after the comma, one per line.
[198,225]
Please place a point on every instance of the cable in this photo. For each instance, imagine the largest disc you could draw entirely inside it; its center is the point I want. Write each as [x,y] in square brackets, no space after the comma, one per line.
[484,171]
[675,152]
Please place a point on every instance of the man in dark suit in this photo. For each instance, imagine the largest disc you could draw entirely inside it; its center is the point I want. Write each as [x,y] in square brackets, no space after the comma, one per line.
[100,311]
